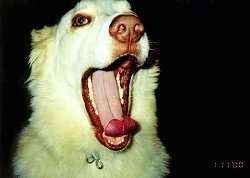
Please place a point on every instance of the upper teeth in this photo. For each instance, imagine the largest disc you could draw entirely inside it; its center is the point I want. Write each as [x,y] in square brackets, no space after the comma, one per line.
[130,88]
[91,95]
[120,89]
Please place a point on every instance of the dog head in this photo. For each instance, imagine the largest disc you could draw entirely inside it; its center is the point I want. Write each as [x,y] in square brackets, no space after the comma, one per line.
[90,57]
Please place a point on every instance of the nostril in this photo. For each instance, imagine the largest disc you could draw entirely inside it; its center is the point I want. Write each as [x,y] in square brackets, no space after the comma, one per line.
[139,28]
[121,28]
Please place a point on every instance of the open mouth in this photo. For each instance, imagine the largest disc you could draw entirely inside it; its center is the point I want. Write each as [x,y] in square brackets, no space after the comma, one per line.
[106,96]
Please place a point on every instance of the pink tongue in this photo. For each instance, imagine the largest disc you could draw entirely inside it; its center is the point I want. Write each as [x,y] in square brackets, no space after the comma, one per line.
[107,100]
[106,96]
[117,127]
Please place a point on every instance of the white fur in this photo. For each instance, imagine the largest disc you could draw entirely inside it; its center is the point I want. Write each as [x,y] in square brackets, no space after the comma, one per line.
[59,134]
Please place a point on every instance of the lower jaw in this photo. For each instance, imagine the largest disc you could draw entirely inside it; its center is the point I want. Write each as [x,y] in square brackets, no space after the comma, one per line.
[114,143]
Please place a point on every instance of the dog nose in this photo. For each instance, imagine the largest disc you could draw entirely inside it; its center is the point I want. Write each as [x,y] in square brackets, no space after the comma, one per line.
[126,29]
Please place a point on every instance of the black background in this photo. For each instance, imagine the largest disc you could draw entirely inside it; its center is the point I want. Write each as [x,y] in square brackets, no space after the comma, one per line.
[203,95]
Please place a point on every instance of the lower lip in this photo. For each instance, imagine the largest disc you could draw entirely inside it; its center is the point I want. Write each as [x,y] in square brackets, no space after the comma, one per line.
[116,147]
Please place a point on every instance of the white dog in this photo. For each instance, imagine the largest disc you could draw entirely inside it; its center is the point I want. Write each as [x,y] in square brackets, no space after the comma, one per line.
[93,101]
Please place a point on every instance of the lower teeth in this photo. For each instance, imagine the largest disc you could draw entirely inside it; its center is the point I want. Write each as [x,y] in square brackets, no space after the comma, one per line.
[115,140]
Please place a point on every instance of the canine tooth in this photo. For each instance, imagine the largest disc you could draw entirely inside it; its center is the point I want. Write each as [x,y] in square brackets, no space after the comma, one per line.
[90,89]
[122,101]
[130,91]
[118,80]
[121,94]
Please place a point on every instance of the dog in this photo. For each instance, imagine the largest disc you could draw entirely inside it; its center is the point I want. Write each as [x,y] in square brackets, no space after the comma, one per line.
[93,103]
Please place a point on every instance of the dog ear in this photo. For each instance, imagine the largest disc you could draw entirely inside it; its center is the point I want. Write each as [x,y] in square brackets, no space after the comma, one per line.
[41,41]
[41,35]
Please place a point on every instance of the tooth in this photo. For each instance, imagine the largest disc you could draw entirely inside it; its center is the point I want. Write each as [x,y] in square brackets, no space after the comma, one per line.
[119,87]
[90,89]
[118,78]
[91,95]
[115,140]
[119,141]
[130,91]
[121,95]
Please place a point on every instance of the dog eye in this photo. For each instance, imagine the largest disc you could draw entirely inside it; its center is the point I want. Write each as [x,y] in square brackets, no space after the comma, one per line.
[80,20]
